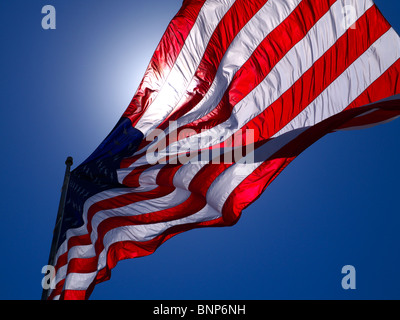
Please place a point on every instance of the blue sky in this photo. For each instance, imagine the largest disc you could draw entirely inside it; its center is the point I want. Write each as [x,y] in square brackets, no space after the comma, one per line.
[63,90]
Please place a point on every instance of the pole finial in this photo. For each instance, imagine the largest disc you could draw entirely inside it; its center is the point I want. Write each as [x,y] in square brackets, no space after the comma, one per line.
[69,161]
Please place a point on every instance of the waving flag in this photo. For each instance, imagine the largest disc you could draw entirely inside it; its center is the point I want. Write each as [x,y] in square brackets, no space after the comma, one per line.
[262,79]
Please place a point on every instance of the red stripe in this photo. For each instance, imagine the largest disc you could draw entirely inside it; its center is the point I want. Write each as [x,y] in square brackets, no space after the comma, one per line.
[166,175]
[164,58]
[74,295]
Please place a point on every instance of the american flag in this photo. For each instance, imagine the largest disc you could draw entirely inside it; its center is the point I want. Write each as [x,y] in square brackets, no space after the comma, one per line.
[286,71]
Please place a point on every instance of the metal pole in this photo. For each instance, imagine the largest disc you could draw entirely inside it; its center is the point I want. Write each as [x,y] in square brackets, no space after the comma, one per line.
[60,214]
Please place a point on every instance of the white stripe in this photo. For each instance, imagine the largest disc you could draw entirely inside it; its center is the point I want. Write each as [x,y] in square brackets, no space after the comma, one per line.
[183,177]
[79,281]
[81,251]
[149,176]
[186,64]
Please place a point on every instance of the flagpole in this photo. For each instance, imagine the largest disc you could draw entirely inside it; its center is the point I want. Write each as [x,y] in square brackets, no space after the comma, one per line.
[60,214]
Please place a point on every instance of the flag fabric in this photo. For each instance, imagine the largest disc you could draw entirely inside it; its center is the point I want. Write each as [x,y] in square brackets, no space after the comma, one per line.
[286,71]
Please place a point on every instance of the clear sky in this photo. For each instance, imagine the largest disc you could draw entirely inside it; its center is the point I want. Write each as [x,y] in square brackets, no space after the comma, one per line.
[63,90]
